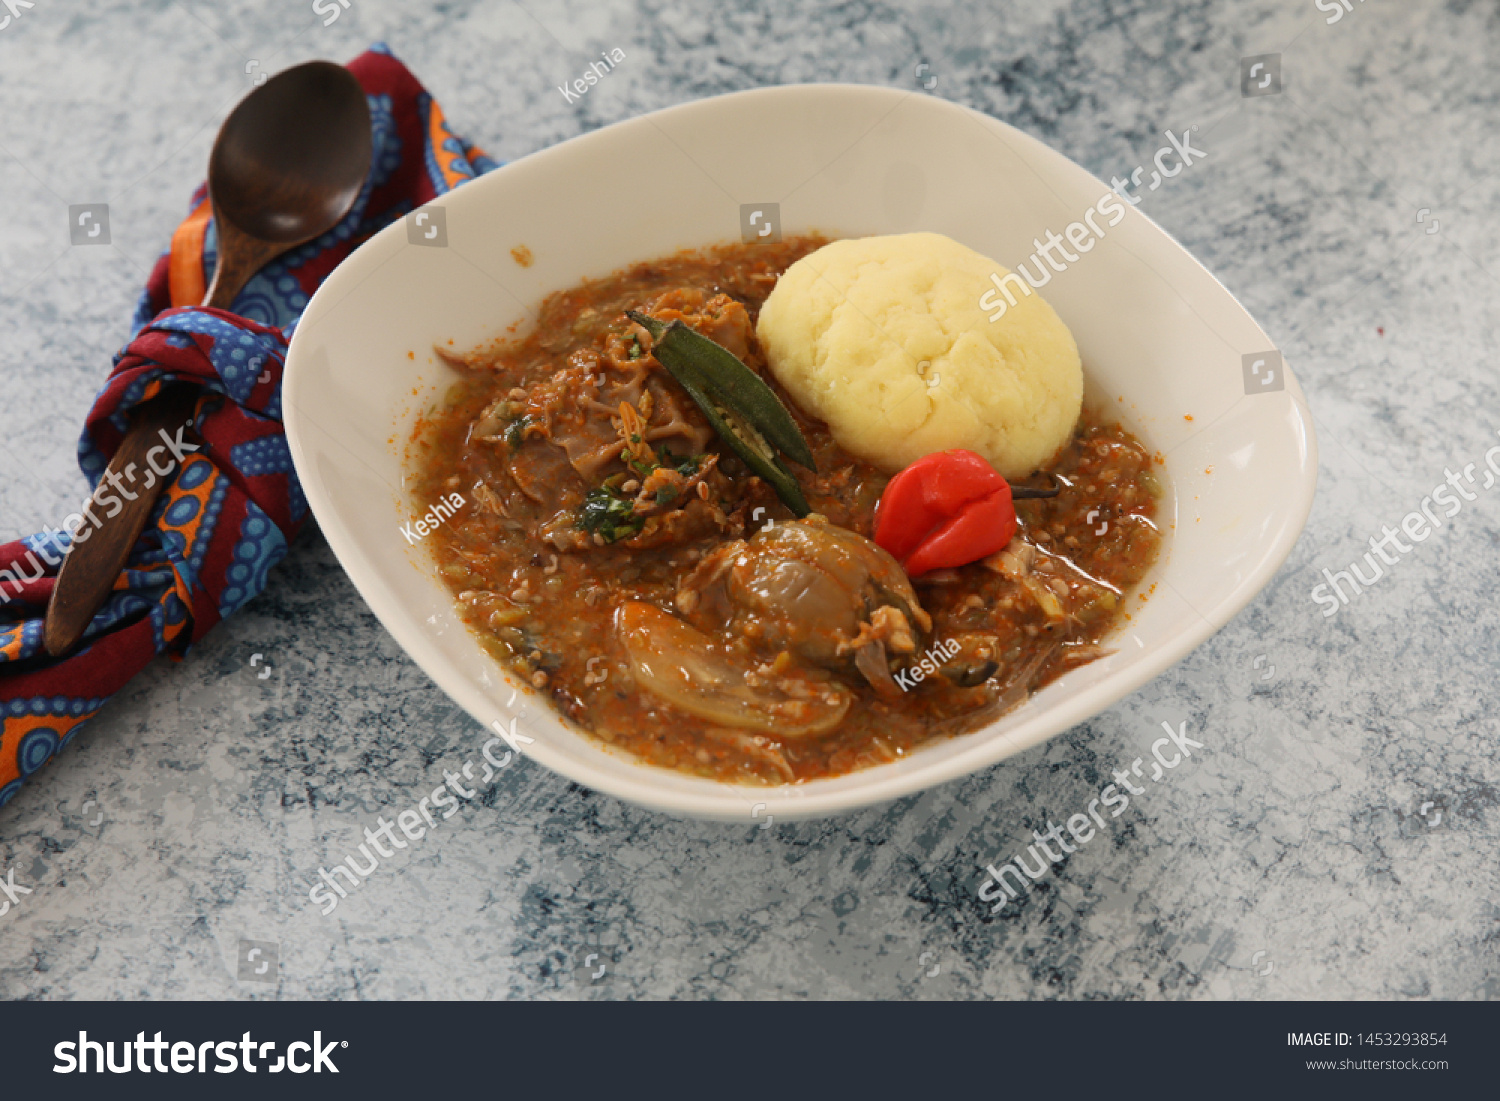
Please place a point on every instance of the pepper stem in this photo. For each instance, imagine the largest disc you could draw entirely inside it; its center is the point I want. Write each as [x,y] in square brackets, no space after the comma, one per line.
[1028,493]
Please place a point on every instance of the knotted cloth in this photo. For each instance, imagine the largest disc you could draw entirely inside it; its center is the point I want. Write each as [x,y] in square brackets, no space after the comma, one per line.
[232,506]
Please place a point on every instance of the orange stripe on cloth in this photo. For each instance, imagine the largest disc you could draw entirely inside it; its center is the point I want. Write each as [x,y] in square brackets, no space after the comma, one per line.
[185,280]
[15,728]
[437,133]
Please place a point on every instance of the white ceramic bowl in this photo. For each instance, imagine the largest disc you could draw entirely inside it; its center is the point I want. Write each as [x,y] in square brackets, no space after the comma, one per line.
[1155,329]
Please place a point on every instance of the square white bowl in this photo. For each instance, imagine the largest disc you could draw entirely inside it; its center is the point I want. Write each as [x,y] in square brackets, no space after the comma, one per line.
[1161,340]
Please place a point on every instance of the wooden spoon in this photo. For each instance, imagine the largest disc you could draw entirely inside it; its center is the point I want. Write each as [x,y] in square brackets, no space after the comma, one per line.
[286,167]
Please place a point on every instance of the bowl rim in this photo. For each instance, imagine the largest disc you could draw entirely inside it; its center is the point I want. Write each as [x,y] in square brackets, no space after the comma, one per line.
[721,800]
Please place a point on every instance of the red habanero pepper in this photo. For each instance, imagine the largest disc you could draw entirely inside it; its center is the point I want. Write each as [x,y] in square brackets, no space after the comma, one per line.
[946,509]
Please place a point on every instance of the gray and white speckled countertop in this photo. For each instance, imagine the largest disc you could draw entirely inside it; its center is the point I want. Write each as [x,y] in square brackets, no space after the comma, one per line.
[1336,839]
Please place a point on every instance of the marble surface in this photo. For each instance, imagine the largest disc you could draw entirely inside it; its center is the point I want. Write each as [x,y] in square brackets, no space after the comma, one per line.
[1337,838]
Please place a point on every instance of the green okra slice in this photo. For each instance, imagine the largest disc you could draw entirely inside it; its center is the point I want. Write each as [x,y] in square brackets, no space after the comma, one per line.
[743,410]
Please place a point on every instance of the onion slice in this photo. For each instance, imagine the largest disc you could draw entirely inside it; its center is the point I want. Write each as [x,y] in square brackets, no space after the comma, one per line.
[682,666]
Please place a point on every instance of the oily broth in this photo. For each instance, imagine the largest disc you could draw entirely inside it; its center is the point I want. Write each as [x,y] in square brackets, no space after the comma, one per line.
[547,615]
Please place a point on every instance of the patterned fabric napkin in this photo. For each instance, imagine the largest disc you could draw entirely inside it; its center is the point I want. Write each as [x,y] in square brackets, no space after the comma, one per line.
[233,504]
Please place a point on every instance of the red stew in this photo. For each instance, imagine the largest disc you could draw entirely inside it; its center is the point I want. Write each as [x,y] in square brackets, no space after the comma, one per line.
[600,516]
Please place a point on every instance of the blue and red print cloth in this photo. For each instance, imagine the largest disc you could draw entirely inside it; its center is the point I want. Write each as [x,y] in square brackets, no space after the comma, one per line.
[233,506]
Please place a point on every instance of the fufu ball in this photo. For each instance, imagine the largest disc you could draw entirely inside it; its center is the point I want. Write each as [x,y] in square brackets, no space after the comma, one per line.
[887,341]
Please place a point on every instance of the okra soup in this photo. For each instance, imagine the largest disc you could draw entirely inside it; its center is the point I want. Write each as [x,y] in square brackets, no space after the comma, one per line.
[662,509]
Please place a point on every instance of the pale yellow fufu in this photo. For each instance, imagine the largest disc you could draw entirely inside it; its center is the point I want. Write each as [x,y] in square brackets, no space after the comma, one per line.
[885,340]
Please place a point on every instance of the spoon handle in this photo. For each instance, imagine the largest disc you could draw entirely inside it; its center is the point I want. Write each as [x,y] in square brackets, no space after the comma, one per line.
[240,257]
[90,567]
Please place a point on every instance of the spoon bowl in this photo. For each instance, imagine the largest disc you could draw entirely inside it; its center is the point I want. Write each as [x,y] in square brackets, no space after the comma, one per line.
[291,158]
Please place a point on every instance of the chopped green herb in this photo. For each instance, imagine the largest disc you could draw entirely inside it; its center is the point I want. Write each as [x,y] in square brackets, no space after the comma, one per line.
[609,514]
[516,432]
